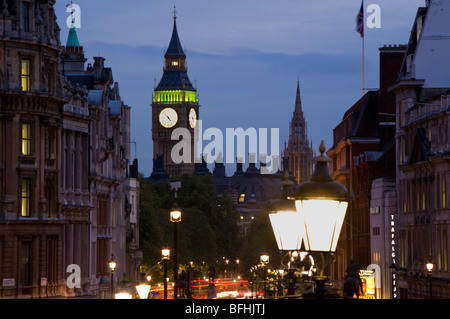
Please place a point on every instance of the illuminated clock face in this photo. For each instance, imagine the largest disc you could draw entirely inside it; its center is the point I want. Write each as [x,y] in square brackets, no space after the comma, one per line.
[168,117]
[192,118]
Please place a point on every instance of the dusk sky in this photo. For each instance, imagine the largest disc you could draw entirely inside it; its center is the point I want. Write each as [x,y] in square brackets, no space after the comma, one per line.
[244,56]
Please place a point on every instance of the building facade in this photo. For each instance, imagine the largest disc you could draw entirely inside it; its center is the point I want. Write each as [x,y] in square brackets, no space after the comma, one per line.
[31,111]
[423,157]
[363,151]
[67,195]
[175,107]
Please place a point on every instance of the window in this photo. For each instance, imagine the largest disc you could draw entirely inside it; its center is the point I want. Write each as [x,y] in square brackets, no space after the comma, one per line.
[376,231]
[25,17]
[51,143]
[241,198]
[444,198]
[26,197]
[50,190]
[402,114]
[26,74]
[25,263]
[26,139]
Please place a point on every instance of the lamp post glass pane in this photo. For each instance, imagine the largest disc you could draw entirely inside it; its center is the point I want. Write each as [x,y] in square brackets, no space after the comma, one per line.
[323,222]
[123,295]
[264,258]
[143,290]
[112,265]
[288,229]
[165,253]
[175,216]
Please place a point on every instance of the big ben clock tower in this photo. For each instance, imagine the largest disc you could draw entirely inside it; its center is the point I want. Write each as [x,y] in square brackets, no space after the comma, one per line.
[174,105]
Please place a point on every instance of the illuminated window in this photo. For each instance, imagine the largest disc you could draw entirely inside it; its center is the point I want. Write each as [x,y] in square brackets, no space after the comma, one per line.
[423,200]
[26,139]
[174,63]
[26,197]
[26,74]
[444,198]
[241,198]
[419,27]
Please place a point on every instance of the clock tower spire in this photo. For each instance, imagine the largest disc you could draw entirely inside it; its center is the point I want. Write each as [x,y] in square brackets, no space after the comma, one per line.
[174,105]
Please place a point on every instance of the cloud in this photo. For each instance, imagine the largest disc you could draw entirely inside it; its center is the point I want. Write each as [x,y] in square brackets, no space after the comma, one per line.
[246,57]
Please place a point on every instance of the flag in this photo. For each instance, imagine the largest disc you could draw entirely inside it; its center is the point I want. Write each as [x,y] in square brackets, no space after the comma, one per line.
[360,20]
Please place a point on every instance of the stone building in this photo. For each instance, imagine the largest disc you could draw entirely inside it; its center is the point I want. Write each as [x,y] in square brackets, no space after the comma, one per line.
[68,192]
[298,152]
[100,185]
[423,157]
[175,107]
[31,112]
[364,150]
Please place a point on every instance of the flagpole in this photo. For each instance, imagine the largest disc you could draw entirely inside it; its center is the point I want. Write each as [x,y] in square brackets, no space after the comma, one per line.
[363,85]
[363,22]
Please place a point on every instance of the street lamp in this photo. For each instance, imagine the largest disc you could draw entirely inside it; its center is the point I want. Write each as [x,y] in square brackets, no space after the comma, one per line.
[264,258]
[430,266]
[123,295]
[285,220]
[321,204]
[175,218]
[143,288]
[165,256]
[112,266]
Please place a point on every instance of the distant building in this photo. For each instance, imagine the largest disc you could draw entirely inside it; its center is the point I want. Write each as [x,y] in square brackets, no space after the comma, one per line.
[298,151]
[423,157]
[100,187]
[174,106]
[250,190]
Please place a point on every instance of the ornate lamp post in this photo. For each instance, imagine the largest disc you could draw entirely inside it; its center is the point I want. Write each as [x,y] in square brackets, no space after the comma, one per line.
[321,204]
[165,256]
[112,266]
[175,218]
[264,258]
[430,266]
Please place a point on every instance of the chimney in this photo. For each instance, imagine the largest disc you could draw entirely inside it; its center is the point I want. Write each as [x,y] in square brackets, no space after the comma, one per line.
[99,64]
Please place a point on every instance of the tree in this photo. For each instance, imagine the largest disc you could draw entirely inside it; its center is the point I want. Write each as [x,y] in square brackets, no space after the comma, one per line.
[208,229]
[259,240]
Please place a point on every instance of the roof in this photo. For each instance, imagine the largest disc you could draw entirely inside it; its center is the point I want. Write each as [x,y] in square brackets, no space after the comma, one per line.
[359,120]
[72,39]
[95,97]
[175,80]
[175,44]
[115,107]
[81,79]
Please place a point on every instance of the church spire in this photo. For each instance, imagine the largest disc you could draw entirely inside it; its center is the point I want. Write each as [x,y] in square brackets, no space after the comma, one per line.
[298,101]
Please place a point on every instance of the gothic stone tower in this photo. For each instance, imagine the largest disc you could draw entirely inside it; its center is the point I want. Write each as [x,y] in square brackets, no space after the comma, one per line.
[298,153]
[175,105]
